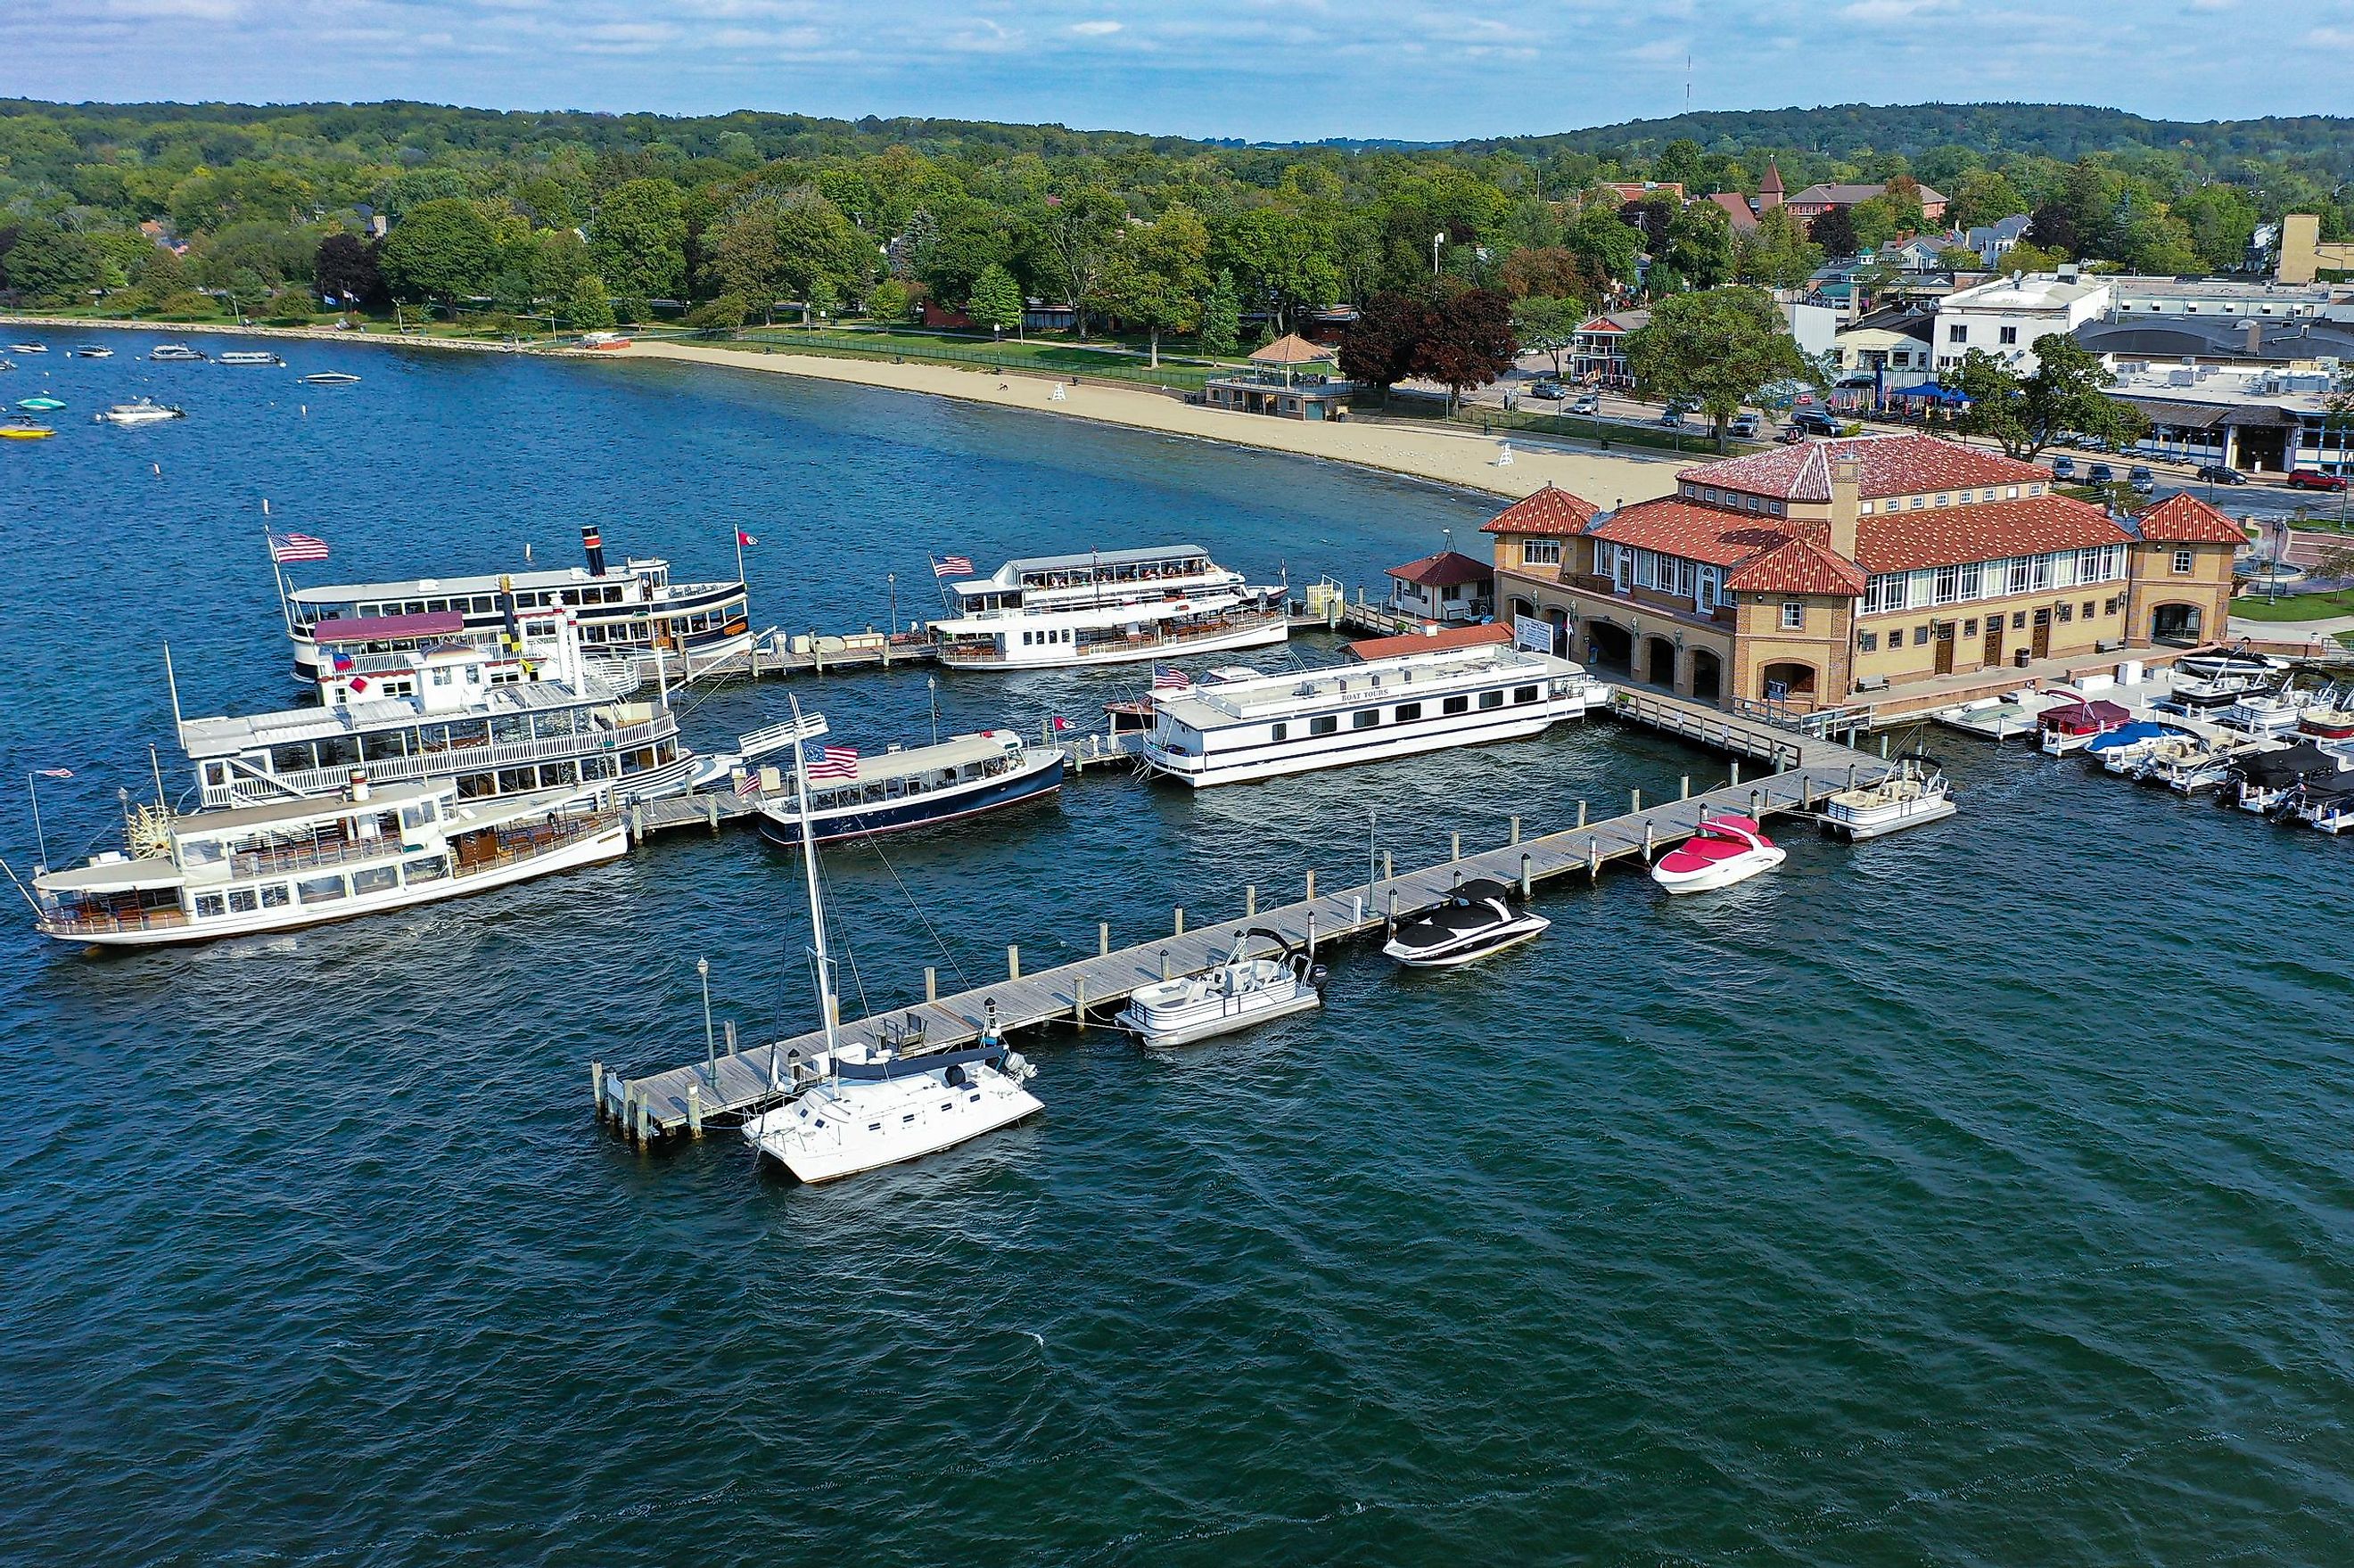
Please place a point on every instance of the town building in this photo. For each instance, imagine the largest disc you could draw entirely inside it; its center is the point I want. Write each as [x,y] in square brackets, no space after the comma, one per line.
[1597,351]
[1737,210]
[2305,255]
[1883,352]
[1810,576]
[1995,241]
[1450,587]
[2005,316]
[1818,199]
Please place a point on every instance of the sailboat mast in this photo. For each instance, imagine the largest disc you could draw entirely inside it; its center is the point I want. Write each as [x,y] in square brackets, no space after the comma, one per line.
[808,866]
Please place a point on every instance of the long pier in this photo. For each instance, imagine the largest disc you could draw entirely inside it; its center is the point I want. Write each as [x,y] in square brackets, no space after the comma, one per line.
[682,1100]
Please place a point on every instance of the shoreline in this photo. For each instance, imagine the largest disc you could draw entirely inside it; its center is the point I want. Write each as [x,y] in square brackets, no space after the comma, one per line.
[224,329]
[1465,459]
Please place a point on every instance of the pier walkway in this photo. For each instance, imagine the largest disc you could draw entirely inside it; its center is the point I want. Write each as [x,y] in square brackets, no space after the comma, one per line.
[682,1100]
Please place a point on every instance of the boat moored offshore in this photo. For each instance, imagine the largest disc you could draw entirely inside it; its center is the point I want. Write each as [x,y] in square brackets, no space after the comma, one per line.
[1106,607]
[141,411]
[250,357]
[176,354]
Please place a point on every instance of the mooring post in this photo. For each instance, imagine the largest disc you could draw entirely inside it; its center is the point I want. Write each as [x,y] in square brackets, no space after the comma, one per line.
[1250,899]
[597,1087]
[645,1134]
[1179,927]
[1524,873]
[1165,963]
[1516,831]
[1686,794]
[1311,887]
[1883,748]
[1850,775]
[637,824]
[1581,814]
[711,812]
[1457,883]
[694,1110]
[1736,771]
[1635,800]
[1103,938]
[931,983]
[1647,841]
[1806,791]
[1357,909]
[1389,867]
[1079,1003]
[1392,917]
[1012,963]
[1455,845]
[1593,858]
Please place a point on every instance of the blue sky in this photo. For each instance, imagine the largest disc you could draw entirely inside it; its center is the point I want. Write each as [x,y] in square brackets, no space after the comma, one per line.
[1413,69]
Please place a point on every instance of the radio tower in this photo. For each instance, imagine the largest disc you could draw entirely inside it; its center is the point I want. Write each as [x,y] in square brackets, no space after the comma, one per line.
[1688,85]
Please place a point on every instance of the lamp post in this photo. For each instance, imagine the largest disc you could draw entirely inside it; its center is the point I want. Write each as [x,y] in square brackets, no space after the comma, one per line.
[1436,240]
[710,1051]
[891,582]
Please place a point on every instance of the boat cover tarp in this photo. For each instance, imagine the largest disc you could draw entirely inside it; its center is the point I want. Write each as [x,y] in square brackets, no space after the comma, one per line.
[2273,770]
[2133,733]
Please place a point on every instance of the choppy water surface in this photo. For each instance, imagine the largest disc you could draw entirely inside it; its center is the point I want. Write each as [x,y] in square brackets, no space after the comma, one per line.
[1981,1196]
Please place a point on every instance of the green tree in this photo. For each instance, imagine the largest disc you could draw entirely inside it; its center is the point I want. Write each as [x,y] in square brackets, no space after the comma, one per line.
[1700,244]
[1547,325]
[1279,259]
[792,244]
[1776,254]
[49,265]
[888,301]
[1834,232]
[1611,247]
[637,242]
[2220,219]
[1718,347]
[1984,197]
[589,307]
[996,302]
[1157,275]
[1075,236]
[443,251]
[1222,316]
[2066,394]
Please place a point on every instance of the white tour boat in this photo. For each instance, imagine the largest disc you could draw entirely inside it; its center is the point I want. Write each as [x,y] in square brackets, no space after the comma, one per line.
[1242,991]
[248,356]
[1266,725]
[302,863]
[916,787]
[634,612]
[860,1105]
[1479,917]
[524,715]
[1106,607]
[176,353]
[1913,792]
[1725,850]
[329,379]
[92,351]
[143,411]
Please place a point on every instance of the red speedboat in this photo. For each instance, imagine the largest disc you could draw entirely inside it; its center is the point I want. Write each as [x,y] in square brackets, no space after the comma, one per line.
[1726,850]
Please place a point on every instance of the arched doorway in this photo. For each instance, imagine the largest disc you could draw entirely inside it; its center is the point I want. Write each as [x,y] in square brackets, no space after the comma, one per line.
[1659,662]
[1787,682]
[1610,647]
[1562,640]
[1707,677]
[2175,623]
[1521,607]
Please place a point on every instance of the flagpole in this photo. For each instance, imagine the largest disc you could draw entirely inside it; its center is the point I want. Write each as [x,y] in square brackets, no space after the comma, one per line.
[739,554]
[40,840]
[285,611]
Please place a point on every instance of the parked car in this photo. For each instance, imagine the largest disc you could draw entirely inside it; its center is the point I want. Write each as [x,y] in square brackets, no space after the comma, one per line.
[1814,422]
[2064,468]
[2221,473]
[1746,425]
[2314,479]
[1672,419]
[1550,391]
[1585,403]
[1684,405]
[2100,473]
[2143,482]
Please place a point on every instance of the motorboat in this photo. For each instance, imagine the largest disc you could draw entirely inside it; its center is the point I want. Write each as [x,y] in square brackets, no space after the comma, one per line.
[1242,991]
[28,348]
[2216,679]
[26,431]
[328,378]
[247,356]
[1912,792]
[1725,850]
[963,776]
[2073,725]
[92,351]
[2269,779]
[144,411]
[2009,717]
[2186,764]
[174,354]
[604,340]
[2329,810]
[862,1104]
[2122,749]
[2329,715]
[1479,917]
[2264,713]
[40,405]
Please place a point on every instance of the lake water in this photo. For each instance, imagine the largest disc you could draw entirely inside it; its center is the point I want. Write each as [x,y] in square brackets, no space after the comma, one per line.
[1984,1195]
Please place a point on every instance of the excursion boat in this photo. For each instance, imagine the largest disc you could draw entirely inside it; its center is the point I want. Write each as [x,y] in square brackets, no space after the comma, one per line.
[2073,725]
[1267,725]
[1725,850]
[2270,779]
[524,716]
[177,354]
[248,356]
[143,411]
[300,862]
[1106,607]
[2218,679]
[858,1106]
[1239,993]
[92,351]
[916,787]
[1479,917]
[329,379]
[635,613]
[1912,792]
[2122,748]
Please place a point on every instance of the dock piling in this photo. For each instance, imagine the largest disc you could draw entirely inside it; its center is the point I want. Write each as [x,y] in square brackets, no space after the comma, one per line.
[711,814]
[1755,808]
[1356,910]
[1178,928]
[1594,859]
[1455,847]
[1165,963]
[1850,775]
[1079,1003]
[1516,831]
[1524,873]
[931,983]
[1103,938]
[1736,779]
[1686,795]
[1250,899]
[1647,841]
[1392,918]
[597,1087]
[1883,748]
[1581,814]
[694,1110]
[1635,801]
[1311,887]
[643,1136]
[1389,871]
[1012,963]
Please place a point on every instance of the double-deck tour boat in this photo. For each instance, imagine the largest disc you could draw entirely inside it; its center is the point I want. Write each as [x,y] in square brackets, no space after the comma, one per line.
[297,862]
[1912,792]
[1106,607]
[635,611]
[1263,726]
[521,714]
[917,787]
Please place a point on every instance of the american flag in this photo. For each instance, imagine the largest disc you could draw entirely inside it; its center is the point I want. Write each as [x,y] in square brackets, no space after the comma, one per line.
[54,772]
[297,547]
[838,762]
[1164,679]
[751,785]
[952,565]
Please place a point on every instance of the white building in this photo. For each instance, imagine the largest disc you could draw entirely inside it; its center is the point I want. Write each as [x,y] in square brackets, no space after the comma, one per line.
[2005,316]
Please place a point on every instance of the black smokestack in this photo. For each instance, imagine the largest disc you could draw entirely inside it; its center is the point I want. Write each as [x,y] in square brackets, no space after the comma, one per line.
[593,543]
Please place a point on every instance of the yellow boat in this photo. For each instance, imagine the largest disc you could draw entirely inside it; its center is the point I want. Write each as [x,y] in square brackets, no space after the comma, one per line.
[25,432]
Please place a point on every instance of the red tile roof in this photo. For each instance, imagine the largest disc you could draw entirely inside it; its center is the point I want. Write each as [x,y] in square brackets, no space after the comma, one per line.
[1736,208]
[1551,511]
[1985,531]
[1696,533]
[1447,568]
[1438,641]
[1904,464]
[1798,566]
[2183,519]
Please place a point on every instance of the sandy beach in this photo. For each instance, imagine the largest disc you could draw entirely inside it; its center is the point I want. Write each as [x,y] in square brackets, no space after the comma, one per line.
[1449,455]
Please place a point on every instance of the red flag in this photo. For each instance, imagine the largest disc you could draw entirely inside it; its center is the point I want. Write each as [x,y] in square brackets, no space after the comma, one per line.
[743,538]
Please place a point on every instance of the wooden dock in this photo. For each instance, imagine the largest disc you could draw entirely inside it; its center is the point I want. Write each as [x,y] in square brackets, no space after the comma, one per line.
[683,1101]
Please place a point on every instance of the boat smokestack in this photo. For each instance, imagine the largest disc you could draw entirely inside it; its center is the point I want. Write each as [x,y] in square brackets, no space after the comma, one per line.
[359,784]
[509,632]
[593,543]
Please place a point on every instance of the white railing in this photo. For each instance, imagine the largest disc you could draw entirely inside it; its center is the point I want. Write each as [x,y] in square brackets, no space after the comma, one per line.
[438,764]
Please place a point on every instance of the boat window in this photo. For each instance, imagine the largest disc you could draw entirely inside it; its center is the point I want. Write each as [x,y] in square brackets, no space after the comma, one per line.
[1456,705]
[1282,732]
[1323,725]
[1408,711]
[1525,693]
[293,757]
[1365,718]
[276,896]
[433,868]
[390,743]
[243,901]
[1494,699]
[376,879]
[210,904]
[217,774]
[321,889]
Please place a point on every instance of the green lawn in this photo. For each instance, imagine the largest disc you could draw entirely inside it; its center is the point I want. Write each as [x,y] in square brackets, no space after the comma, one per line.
[2253,606]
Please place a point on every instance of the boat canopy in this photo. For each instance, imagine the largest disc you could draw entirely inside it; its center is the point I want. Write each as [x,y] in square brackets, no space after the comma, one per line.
[2133,733]
[2303,760]
[2099,710]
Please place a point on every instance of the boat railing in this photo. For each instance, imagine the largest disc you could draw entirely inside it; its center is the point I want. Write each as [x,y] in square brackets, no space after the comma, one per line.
[1123,647]
[509,846]
[310,856]
[64,922]
[473,758]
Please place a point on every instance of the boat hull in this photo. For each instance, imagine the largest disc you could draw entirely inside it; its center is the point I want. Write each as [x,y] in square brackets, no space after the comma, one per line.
[1187,1026]
[1053,658]
[1719,872]
[1040,775]
[1306,756]
[1877,821]
[913,1124]
[1472,948]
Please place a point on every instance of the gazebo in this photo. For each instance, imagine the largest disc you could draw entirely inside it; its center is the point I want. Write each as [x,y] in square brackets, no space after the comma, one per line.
[1290,378]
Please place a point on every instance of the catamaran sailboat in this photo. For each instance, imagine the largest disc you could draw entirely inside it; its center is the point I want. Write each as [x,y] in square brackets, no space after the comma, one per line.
[1236,994]
[862,1105]
[1107,606]
[635,613]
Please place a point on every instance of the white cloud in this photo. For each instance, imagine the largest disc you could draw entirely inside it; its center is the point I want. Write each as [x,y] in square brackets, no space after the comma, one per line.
[1095,29]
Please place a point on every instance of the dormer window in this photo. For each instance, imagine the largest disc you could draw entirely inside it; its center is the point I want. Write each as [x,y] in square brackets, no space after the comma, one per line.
[1943,498]
[1863,509]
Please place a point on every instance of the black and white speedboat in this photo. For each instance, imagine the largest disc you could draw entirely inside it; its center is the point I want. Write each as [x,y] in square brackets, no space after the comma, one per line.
[2220,678]
[1479,917]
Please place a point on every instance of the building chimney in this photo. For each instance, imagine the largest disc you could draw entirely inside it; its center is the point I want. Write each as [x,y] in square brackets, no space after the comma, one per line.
[2251,334]
[594,544]
[1847,485]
